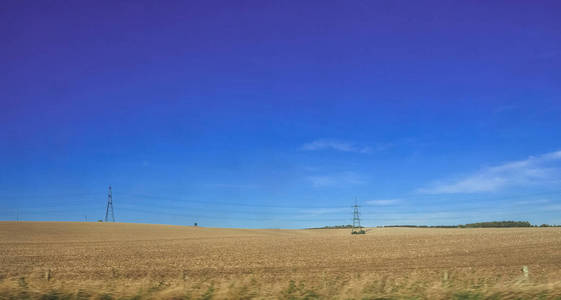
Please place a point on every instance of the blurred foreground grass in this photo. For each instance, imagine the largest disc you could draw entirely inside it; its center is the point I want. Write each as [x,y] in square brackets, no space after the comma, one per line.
[250,287]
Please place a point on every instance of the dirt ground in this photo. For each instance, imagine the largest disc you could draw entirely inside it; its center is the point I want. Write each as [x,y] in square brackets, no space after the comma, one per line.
[64,253]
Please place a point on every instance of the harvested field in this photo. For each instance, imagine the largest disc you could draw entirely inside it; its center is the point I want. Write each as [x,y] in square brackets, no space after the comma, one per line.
[104,260]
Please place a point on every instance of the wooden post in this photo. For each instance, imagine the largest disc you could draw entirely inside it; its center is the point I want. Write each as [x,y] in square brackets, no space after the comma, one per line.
[525,271]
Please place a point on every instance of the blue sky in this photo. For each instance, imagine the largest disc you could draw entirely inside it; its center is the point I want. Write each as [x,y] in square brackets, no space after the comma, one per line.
[279,115]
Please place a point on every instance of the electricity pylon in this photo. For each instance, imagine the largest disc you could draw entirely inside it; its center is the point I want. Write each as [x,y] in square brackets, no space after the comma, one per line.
[357,229]
[109,209]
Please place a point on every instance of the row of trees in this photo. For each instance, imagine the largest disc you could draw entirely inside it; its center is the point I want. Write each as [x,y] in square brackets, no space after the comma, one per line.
[494,224]
[497,224]
[335,227]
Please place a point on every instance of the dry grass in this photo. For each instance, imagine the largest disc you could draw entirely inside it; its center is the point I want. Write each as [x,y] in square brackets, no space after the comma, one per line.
[104,261]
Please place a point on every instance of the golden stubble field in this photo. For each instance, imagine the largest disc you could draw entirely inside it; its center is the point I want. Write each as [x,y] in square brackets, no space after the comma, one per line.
[120,260]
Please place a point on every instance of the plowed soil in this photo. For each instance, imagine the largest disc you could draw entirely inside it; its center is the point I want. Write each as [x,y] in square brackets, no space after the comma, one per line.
[97,252]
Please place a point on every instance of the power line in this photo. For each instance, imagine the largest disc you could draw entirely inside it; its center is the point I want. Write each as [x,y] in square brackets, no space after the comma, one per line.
[267,212]
[240,204]
[259,205]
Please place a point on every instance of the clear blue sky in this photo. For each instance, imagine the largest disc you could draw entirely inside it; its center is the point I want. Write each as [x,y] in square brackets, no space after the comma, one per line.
[277,115]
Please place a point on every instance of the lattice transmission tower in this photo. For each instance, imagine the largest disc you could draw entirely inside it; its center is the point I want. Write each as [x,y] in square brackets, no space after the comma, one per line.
[357,229]
[109,213]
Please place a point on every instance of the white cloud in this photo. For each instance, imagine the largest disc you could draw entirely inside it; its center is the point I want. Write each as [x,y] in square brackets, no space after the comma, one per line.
[532,202]
[554,207]
[336,180]
[383,202]
[504,108]
[536,170]
[231,186]
[326,144]
[324,211]
[451,217]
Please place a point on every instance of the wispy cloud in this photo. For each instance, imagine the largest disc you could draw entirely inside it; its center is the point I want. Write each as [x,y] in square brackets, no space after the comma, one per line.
[325,211]
[444,217]
[554,207]
[536,170]
[532,202]
[231,185]
[336,180]
[383,202]
[329,144]
[505,108]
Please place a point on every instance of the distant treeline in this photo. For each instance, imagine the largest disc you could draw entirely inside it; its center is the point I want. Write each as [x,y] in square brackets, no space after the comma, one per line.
[335,227]
[424,226]
[499,224]
[494,224]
